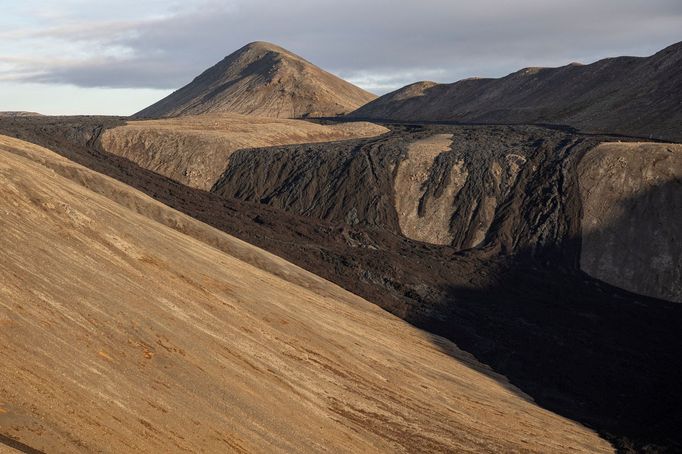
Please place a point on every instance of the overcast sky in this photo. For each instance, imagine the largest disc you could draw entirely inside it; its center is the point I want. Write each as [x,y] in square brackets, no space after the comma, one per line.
[116,57]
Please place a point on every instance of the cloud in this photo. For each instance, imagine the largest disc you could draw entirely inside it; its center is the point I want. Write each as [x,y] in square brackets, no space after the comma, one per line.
[379,44]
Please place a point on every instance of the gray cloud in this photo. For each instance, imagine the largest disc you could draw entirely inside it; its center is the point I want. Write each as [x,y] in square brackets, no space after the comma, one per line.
[379,44]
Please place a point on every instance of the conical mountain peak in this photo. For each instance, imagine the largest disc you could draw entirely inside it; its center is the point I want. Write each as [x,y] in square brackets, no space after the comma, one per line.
[266,80]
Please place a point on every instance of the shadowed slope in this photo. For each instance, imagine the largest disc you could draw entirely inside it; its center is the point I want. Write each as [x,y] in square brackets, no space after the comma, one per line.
[265,80]
[640,186]
[627,95]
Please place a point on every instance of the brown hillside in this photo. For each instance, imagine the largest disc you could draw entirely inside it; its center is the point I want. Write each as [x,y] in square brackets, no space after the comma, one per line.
[265,80]
[195,150]
[565,338]
[625,95]
[127,335]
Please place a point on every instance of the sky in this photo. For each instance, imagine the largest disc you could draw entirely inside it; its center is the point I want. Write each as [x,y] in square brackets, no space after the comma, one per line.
[117,57]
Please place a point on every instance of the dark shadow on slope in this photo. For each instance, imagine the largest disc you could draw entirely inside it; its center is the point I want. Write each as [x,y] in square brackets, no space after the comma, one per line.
[579,347]
[21,447]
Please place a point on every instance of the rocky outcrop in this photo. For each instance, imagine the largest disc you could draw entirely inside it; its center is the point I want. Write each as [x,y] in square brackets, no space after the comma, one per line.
[478,186]
[421,218]
[632,217]
[195,150]
[441,186]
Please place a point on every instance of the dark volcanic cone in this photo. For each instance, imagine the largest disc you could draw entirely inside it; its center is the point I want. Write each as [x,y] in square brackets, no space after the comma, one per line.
[639,96]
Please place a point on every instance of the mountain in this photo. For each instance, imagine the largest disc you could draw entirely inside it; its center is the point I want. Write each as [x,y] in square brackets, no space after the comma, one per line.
[639,96]
[265,80]
[499,238]
[453,186]
[195,150]
[128,326]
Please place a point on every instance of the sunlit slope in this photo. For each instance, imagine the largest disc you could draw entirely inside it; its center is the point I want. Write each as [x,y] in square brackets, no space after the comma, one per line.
[265,80]
[195,150]
[119,333]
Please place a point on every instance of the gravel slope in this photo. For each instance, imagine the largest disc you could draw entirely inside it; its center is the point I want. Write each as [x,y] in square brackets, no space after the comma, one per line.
[265,80]
[626,95]
[121,334]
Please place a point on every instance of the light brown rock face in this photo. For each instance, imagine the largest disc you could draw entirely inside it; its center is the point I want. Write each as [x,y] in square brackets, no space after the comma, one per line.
[441,187]
[428,199]
[265,80]
[431,223]
[121,334]
[632,217]
[195,150]
[637,96]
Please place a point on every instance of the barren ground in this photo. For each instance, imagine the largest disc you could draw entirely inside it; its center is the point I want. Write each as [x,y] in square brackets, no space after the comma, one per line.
[262,79]
[195,150]
[122,334]
[582,348]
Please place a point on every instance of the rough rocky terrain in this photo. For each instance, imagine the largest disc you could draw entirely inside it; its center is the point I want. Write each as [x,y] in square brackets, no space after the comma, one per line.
[120,333]
[420,218]
[632,217]
[519,301]
[476,187]
[265,80]
[195,150]
[638,96]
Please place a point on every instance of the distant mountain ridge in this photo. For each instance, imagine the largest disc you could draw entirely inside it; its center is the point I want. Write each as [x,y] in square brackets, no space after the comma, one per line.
[19,113]
[629,95]
[265,80]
